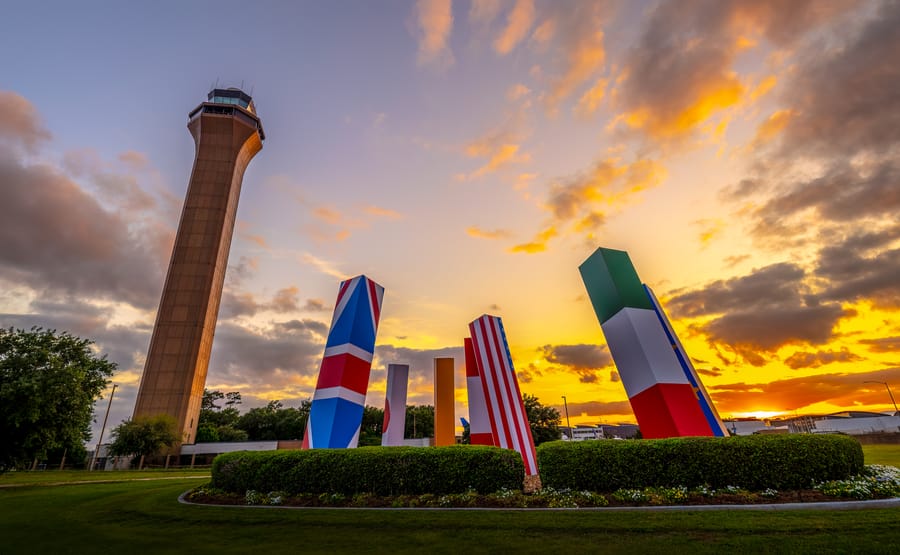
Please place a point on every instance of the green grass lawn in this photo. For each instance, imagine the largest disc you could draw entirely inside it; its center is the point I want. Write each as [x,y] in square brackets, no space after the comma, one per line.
[882,454]
[45,477]
[144,517]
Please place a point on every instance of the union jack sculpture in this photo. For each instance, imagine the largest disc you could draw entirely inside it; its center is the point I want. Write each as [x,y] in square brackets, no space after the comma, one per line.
[337,406]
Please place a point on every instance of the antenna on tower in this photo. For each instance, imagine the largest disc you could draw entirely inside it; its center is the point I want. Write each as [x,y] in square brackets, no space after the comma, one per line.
[242,84]
[217,83]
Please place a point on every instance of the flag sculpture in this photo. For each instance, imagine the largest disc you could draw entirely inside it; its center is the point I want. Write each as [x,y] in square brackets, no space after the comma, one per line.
[665,392]
[395,405]
[479,422]
[337,406]
[506,411]
[444,419]
[706,404]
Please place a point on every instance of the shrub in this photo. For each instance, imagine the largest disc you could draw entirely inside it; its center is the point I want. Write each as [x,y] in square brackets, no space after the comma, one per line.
[756,462]
[372,470]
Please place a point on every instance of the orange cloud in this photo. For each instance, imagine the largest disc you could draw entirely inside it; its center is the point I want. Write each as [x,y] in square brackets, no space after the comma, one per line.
[591,99]
[434,19]
[377,211]
[20,121]
[584,200]
[517,91]
[763,88]
[327,214]
[475,231]
[709,229]
[703,101]
[136,161]
[771,128]
[538,244]
[518,22]
[585,57]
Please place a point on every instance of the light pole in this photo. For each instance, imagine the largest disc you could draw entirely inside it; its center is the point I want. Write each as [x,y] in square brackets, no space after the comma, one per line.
[889,393]
[568,424]
[103,427]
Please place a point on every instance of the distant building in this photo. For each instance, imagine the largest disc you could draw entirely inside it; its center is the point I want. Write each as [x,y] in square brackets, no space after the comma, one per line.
[599,431]
[745,426]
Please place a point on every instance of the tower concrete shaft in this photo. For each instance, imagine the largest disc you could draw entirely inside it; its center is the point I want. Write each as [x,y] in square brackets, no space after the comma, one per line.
[227,134]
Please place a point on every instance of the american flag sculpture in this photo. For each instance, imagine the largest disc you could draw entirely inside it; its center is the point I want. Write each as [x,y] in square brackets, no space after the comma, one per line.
[337,406]
[479,422]
[506,411]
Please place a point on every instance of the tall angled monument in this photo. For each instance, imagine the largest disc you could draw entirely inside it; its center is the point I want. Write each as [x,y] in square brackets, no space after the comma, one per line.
[335,416]
[227,134]
[664,389]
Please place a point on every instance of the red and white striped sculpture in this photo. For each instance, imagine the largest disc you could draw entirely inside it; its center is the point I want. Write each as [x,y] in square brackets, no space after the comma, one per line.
[479,421]
[506,411]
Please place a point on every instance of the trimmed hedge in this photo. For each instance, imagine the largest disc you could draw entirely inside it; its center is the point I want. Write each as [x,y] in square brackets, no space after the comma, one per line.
[790,461]
[376,470]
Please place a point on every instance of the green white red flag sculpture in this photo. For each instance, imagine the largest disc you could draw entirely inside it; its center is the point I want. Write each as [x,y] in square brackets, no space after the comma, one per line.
[665,392]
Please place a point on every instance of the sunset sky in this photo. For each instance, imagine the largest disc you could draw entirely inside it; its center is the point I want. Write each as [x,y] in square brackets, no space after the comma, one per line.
[468,156]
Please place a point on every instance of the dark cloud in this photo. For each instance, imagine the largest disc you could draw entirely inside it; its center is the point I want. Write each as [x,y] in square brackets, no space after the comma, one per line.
[842,194]
[315,305]
[314,326]
[883,344]
[805,359]
[834,166]
[583,360]
[853,277]
[846,390]
[713,372]
[777,284]
[124,345]
[421,368]
[268,357]
[782,325]
[235,304]
[847,101]
[58,237]
[761,311]
[241,303]
[598,408]
[682,70]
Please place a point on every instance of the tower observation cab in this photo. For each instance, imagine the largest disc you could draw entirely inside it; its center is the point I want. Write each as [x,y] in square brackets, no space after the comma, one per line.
[223,102]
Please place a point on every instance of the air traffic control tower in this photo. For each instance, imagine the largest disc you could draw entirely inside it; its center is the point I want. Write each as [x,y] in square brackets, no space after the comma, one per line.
[227,134]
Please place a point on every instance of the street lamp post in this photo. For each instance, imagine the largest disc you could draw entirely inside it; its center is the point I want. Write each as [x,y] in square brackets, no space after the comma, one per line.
[103,427]
[891,395]
[568,424]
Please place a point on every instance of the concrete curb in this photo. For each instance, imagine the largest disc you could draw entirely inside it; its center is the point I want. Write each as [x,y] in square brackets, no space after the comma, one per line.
[811,506]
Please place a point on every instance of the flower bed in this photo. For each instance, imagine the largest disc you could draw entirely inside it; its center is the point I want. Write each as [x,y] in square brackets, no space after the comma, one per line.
[875,482]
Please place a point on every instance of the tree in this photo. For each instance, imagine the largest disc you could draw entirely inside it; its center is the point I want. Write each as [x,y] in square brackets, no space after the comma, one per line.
[544,420]
[372,425]
[216,423]
[144,436]
[275,421]
[48,384]
[419,421]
